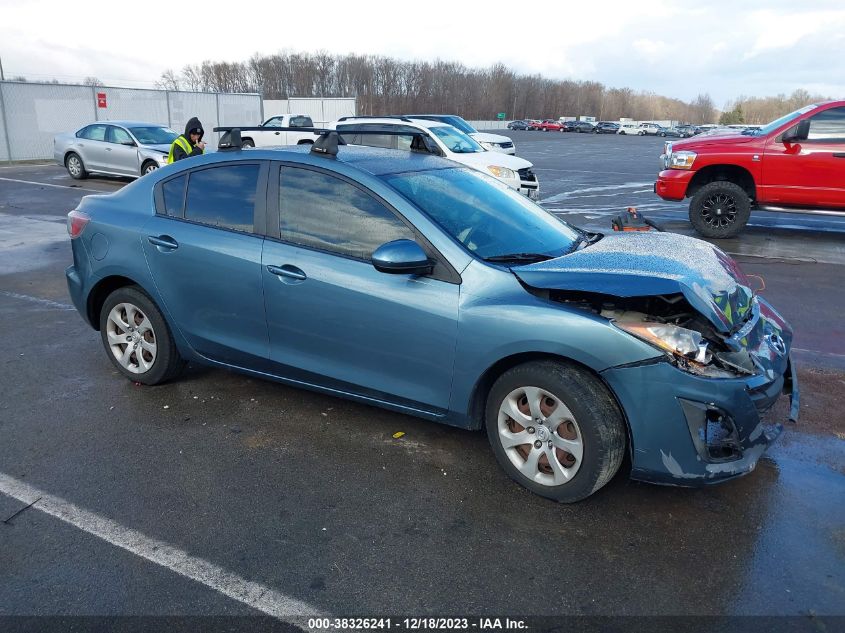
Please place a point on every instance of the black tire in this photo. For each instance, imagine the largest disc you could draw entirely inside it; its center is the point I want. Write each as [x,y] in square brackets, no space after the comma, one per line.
[663,135]
[599,422]
[148,166]
[720,209]
[305,142]
[76,172]
[622,133]
[167,363]
[247,142]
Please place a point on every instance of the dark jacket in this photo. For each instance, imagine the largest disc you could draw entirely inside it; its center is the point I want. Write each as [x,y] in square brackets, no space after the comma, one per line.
[178,152]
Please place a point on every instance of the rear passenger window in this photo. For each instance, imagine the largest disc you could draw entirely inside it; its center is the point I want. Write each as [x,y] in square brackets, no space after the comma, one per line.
[330,214]
[223,196]
[174,196]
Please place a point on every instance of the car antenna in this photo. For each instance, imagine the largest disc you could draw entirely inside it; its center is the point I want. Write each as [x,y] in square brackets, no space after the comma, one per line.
[327,144]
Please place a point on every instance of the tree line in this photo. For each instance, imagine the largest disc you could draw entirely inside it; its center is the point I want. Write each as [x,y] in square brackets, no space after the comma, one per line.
[384,85]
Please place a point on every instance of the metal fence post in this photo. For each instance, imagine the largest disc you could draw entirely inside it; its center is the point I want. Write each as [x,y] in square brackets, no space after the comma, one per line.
[169,116]
[217,100]
[94,103]
[5,127]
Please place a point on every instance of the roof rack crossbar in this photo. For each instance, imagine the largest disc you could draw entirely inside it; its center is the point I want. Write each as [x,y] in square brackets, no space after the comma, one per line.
[373,116]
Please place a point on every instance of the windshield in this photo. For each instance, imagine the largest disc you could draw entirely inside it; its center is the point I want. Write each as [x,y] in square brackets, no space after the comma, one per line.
[458,122]
[771,127]
[489,218]
[456,140]
[153,135]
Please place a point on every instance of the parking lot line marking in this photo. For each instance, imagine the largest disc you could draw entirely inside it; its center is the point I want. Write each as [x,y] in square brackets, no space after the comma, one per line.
[45,302]
[45,184]
[252,594]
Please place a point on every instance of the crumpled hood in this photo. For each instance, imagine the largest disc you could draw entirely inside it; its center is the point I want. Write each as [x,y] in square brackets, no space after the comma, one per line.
[484,137]
[645,264]
[164,149]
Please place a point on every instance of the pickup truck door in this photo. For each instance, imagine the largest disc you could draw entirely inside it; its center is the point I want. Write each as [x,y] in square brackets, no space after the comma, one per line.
[811,172]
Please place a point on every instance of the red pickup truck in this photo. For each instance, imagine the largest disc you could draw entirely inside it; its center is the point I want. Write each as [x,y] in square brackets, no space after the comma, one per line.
[795,163]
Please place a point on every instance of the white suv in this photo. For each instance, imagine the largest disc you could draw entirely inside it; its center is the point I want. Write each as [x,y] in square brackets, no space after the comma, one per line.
[449,141]
[493,142]
[648,128]
[628,128]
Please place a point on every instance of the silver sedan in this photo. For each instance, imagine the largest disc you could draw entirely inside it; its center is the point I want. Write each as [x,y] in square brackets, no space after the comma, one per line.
[119,148]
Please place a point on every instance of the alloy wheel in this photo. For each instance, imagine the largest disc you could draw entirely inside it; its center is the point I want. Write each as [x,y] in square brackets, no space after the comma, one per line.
[540,436]
[74,165]
[719,210]
[131,338]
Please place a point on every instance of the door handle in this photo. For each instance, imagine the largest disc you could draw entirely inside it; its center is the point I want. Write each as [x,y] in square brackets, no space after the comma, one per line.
[276,133]
[291,272]
[839,155]
[164,241]
[108,149]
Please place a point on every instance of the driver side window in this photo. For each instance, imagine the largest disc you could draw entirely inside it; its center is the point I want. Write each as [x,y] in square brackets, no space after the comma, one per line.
[120,136]
[828,126]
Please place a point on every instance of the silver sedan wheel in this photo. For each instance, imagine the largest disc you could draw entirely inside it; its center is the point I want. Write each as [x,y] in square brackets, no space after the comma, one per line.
[74,166]
[131,338]
[149,168]
[540,436]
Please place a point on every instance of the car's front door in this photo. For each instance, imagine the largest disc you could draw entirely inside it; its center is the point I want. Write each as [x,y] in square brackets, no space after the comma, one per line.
[809,172]
[333,318]
[205,259]
[122,152]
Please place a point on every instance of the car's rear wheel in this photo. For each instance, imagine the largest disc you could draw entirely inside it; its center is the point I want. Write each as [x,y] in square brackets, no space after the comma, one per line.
[148,167]
[137,339]
[555,429]
[720,209]
[247,142]
[75,167]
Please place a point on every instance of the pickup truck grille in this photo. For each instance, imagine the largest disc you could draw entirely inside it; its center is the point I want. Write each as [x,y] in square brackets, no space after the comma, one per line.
[506,145]
[527,174]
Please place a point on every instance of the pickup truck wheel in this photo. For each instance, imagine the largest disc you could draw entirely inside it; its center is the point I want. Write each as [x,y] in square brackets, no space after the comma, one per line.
[247,142]
[555,429]
[720,209]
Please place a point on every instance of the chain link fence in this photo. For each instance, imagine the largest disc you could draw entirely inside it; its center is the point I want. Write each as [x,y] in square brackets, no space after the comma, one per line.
[32,114]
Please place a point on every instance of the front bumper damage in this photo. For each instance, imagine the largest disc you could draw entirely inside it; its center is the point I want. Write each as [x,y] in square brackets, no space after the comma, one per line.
[688,430]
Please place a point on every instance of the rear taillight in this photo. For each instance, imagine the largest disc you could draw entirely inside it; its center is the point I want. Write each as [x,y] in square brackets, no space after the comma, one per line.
[76,221]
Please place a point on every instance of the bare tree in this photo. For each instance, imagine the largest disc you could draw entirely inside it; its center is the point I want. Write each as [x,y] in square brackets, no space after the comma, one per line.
[92,81]
[169,80]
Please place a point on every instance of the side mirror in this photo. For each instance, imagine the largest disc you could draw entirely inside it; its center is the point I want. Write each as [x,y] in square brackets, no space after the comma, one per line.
[402,257]
[798,133]
[431,146]
[128,143]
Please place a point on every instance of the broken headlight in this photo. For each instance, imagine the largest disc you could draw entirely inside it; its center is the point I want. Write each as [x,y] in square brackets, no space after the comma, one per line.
[688,348]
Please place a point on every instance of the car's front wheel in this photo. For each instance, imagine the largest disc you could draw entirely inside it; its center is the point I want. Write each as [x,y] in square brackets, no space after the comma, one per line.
[75,167]
[148,167]
[137,339]
[555,429]
[720,209]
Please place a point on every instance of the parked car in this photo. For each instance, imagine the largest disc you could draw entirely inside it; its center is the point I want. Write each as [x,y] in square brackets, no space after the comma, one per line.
[492,142]
[533,123]
[445,140]
[606,127]
[648,129]
[550,125]
[272,135]
[668,131]
[518,125]
[577,126]
[687,131]
[796,163]
[116,148]
[406,281]
[628,128]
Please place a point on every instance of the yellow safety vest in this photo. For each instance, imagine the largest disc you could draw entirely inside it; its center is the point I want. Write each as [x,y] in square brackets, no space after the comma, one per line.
[182,142]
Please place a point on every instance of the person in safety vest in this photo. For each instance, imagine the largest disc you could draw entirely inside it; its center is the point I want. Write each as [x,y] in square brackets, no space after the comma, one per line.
[188,144]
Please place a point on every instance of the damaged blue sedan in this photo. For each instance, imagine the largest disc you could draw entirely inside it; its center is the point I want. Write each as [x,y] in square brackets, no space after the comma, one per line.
[406,281]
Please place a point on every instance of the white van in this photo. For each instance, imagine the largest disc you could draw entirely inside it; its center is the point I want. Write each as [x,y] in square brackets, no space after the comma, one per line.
[648,128]
[628,128]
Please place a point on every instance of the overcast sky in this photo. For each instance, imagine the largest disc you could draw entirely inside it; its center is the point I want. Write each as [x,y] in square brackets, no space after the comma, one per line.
[676,48]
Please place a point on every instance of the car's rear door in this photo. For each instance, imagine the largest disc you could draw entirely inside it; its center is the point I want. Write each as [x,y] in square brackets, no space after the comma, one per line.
[122,152]
[333,319]
[204,254]
[809,172]
[92,147]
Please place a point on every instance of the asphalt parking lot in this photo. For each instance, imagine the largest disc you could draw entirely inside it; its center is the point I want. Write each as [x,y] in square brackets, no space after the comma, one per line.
[221,494]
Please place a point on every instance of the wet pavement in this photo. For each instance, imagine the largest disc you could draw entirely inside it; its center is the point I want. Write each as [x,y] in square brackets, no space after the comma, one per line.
[313,497]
